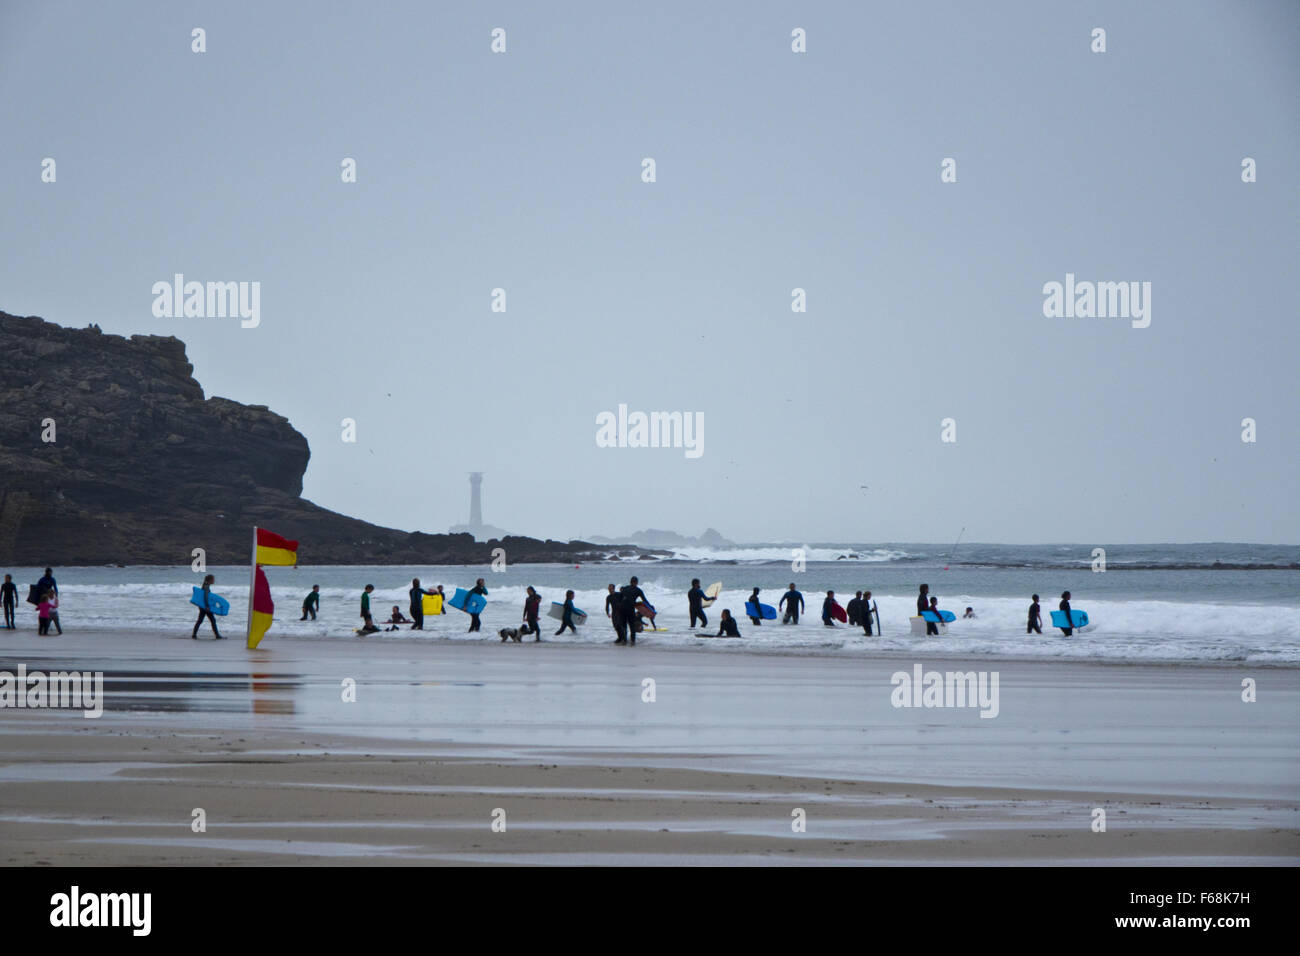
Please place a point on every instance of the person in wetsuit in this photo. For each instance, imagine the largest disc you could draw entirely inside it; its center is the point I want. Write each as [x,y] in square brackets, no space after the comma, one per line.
[923,605]
[854,610]
[614,611]
[866,613]
[204,611]
[727,626]
[416,594]
[1065,609]
[1035,618]
[478,588]
[793,601]
[531,604]
[629,596]
[828,619]
[753,599]
[695,599]
[566,615]
[9,597]
[311,603]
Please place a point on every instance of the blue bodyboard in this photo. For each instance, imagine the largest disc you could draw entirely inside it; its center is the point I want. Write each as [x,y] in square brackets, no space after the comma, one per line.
[477,602]
[947,616]
[216,603]
[764,611]
[1080,618]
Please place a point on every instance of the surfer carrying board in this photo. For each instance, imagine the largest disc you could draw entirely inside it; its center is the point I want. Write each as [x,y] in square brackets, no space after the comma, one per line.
[793,601]
[478,588]
[205,610]
[925,603]
[566,616]
[1065,609]
[629,596]
[753,599]
[867,610]
[827,609]
[416,595]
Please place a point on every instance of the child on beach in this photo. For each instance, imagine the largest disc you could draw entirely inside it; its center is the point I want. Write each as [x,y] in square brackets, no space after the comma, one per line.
[827,605]
[531,605]
[397,619]
[369,626]
[9,594]
[311,603]
[1035,618]
[933,609]
[45,610]
[566,620]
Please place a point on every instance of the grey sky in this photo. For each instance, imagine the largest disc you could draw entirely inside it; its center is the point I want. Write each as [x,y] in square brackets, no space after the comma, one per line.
[775,171]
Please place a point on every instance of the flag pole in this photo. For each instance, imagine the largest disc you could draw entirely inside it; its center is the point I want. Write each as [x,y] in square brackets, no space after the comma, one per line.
[252,583]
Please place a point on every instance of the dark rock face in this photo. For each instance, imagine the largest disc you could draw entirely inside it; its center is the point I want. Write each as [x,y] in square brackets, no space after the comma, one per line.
[144,469]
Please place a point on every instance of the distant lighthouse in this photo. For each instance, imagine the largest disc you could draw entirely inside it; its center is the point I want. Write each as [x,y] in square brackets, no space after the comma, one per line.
[476,527]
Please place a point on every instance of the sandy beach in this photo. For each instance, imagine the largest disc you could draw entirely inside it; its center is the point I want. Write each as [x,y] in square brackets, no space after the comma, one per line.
[561,747]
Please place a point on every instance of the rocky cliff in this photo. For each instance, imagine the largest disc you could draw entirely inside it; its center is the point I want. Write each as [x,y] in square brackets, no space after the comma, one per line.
[141,468]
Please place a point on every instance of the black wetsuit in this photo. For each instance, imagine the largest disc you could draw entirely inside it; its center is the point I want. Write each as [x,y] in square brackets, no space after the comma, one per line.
[753,599]
[1065,608]
[9,597]
[866,618]
[728,628]
[205,611]
[629,595]
[309,605]
[614,608]
[827,618]
[474,622]
[793,601]
[1035,620]
[530,615]
[923,605]
[854,611]
[417,607]
[695,597]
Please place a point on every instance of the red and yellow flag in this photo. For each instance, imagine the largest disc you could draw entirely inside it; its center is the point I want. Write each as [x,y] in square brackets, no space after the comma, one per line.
[260,620]
[273,550]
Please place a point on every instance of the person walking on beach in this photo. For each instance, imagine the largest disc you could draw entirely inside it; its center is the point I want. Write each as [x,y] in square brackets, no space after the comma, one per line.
[630,595]
[753,599]
[727,625]
[531,604]
[854,610]
[478,588]
[923,605]
[1065,609]
[205,610]
[566,615]
[793,601]
[866,613]
[311,603]
[695,599]
[827,618]
[9,597]
[369,626]
[416,594]
[1035,618]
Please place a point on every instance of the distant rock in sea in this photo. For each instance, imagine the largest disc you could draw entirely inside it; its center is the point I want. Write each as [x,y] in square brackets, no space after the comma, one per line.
[655,538]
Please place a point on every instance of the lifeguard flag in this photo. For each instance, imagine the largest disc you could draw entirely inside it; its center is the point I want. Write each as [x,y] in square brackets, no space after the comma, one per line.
[273,550]
[260,620]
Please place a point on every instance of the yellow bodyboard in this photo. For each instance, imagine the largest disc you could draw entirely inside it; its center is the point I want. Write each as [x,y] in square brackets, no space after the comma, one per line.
[432,604]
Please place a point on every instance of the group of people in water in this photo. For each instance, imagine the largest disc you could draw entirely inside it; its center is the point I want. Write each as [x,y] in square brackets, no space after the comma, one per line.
[628,609]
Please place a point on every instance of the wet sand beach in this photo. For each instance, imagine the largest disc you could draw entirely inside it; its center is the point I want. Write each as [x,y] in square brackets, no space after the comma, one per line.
[564,746]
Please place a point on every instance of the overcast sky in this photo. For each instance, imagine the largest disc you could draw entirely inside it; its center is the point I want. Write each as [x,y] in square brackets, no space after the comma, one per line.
[775,171]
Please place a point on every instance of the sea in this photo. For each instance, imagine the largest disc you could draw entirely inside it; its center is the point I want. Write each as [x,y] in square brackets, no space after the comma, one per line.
[1150,603]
